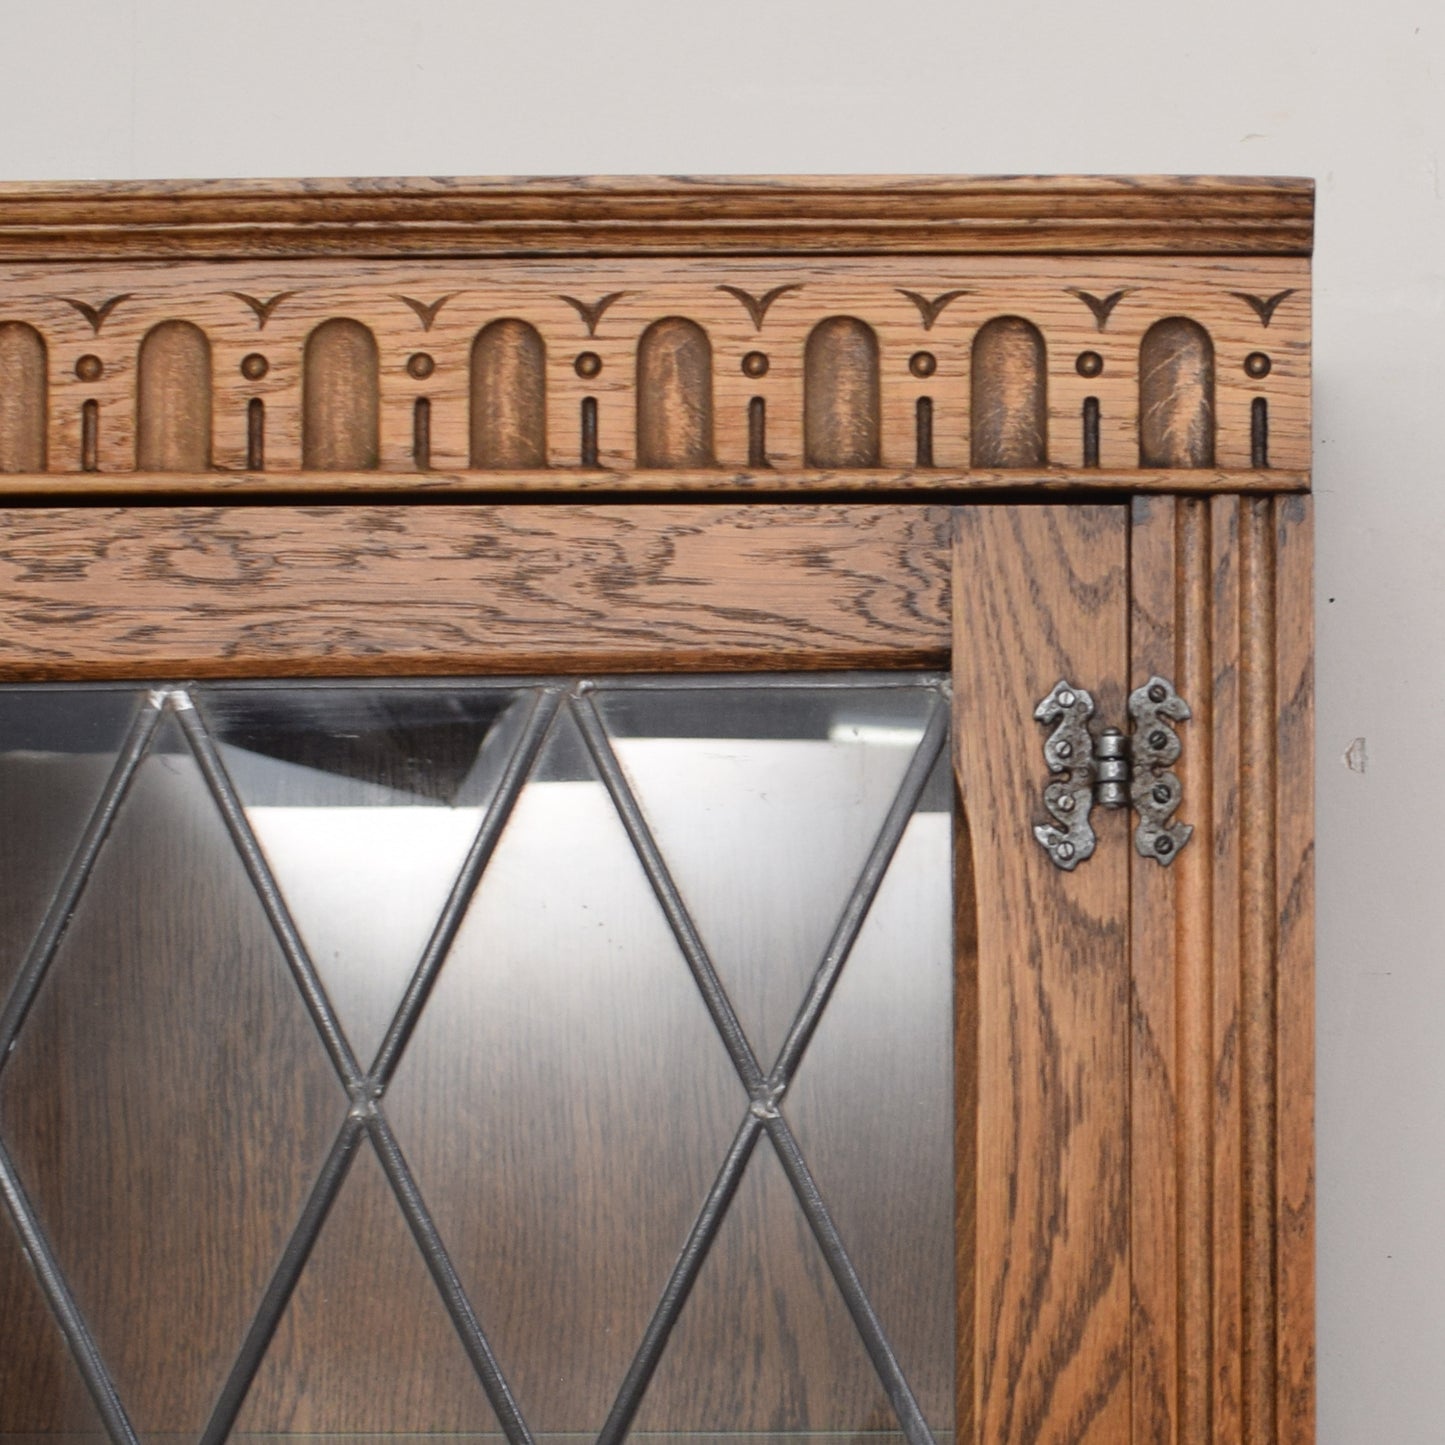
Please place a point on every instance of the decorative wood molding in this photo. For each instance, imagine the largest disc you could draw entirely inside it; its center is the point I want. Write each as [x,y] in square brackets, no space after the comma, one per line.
[970,334]
[657,215]
[1221,1075]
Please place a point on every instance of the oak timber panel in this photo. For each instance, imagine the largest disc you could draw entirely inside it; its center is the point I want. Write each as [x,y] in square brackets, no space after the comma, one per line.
[1294,1281]
[925,313]
[621,215]
[1040,594]
[763,485]
[1221,1113]
[270,591]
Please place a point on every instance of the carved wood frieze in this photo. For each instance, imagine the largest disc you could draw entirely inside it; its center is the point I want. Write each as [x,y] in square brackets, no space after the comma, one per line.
[786,365]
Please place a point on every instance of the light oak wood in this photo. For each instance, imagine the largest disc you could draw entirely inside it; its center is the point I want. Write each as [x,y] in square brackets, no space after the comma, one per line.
[1039,594]
[1008,404]
[173,399]
[924,314]
[23,407]
[332,591]
[1176,395]
[433,427]
[1198,215]
[1221,1076]
[935,484]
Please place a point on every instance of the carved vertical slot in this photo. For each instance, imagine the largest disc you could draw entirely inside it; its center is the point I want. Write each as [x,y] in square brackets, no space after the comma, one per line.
[1009,401]
[90,436]
[1176,395]
[173,399]
[841,406]
[923,431]
[256,435]
[1091,431]
[1259,432]
[674,395]
[421,434]
[22,398]
[340,398]
[758,433]
[509,397]
[588,448]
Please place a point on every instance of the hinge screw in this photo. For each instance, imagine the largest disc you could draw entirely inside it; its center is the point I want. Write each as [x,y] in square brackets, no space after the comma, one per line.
[1065,804]
[1158,738]
[1065,750]
[1067,699]
[1161,793]
[1163,846]
[1066,851]
[1158,693]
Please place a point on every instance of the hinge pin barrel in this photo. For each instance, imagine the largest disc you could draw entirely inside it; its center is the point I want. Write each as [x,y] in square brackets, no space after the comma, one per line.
[1111,769]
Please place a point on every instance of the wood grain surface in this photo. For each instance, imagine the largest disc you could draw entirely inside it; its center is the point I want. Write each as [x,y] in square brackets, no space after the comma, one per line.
[649,214]
[1007,405]
[1040,593]
[1221,1115]
[265,591]
[262,319]
[23,409]
[935,484]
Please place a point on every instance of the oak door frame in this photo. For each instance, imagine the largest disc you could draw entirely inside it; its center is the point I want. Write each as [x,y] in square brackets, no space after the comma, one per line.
[1134,1044]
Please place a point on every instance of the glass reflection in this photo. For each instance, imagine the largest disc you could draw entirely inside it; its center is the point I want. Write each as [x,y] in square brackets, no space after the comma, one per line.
[365,802]
[565,1101]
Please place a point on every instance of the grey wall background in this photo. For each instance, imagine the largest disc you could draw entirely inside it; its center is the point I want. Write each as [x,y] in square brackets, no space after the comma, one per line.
[1347,92]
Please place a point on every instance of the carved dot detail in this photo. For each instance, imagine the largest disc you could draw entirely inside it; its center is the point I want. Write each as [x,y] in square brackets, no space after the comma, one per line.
[1089,363]
[254,366]
[90,368]
[420,365]
[1257,365]
[923,363]
[587,365]
[755,364]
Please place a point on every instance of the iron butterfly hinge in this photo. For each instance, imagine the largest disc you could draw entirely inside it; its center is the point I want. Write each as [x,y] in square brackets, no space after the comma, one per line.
[1112,771]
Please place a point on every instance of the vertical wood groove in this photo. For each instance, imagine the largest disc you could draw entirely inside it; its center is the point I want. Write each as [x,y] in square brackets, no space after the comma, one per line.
[674,395]
[1194,949]
[1226,1102]
[508,396]
[1257,956]
[340,398]
[1294,997]
[1222,1084]
[1176,395]
[23,409]
[842,403]
[1009,401]
[173,399]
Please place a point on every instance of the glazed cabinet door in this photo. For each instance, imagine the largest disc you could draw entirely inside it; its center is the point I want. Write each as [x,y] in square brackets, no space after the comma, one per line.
[451,1004]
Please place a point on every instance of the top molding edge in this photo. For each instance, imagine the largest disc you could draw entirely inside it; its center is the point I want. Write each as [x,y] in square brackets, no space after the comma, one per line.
[657,215]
